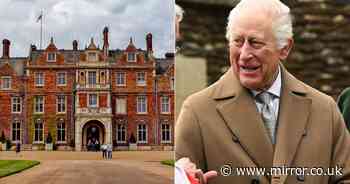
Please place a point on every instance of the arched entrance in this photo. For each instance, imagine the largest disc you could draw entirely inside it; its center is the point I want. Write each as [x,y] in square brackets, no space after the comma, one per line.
[93,135]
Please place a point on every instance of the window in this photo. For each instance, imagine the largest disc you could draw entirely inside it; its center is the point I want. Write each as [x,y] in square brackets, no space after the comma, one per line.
[131,57]
[16,104]
[61,104]
[51,57]
[92,77]
[165,104]
[39,79]
[61,79]
[92,56]
[61,131]
[121,133]
[16,131]
[142,133]
[121,79]
[165,129]
[93,100]
[141,104]
[141,78]
[39,104]
[6,82]
[38,131]
[121,106]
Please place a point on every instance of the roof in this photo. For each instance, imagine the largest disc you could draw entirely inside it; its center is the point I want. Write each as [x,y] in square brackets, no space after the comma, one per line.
[163,64]
[17,63]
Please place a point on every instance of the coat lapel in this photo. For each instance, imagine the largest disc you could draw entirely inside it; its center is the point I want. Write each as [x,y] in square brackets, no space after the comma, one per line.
[237,108]
[293,116]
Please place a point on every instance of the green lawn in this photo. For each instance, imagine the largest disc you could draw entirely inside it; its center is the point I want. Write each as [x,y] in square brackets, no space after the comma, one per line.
[168,162]
[8,167]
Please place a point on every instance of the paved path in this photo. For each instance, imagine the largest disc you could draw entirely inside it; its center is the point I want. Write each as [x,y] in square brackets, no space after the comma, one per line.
[89,168]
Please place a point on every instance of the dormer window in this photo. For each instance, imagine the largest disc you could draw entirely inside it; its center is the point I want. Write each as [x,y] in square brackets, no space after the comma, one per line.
[51,57]
[92,56]
[131,57]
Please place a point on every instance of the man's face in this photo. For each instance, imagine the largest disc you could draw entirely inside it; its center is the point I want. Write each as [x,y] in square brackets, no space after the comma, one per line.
[254,55]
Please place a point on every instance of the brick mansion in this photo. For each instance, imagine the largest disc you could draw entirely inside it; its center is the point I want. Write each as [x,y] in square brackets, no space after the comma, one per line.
[112,96]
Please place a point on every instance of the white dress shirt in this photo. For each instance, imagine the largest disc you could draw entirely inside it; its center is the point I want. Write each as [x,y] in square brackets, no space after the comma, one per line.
[275,89]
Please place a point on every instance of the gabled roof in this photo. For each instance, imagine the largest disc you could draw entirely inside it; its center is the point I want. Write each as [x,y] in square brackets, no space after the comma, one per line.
[51,46]
[131,47]
[92,45]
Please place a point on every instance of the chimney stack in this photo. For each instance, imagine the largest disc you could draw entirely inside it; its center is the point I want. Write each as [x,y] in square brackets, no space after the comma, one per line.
[33,47]
[6,48]
[75,45]
[149,42]
[105,37]
[105,42]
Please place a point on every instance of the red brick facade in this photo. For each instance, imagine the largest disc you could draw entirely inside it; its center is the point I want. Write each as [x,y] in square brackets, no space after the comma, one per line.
[71,93]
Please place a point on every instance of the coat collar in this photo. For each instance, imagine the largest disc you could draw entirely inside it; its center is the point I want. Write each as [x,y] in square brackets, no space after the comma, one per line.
[238,110]
[229,86]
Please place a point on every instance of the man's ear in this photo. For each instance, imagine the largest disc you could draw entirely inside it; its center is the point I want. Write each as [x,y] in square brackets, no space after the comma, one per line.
[284,52]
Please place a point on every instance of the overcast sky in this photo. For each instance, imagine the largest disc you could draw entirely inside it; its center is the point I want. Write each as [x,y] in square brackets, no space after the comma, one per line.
[67,20]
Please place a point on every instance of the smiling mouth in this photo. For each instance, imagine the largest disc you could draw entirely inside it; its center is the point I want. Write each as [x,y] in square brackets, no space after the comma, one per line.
[249,68]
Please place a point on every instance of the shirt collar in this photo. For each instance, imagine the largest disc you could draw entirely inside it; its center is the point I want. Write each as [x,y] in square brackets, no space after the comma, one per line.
[275,88]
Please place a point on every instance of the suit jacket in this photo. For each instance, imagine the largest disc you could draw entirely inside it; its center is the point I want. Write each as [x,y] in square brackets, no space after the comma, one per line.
[221,125]
[344,105]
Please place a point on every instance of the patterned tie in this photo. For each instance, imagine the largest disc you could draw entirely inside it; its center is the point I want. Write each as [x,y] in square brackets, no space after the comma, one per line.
[268,114]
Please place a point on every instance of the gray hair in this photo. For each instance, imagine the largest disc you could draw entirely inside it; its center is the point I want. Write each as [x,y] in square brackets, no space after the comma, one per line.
[179,12]
[280,13]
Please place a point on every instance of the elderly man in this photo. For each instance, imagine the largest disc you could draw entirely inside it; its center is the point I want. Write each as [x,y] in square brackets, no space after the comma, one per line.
[258,115]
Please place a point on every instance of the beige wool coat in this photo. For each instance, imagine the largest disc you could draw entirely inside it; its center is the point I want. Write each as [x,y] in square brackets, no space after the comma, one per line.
[220,125]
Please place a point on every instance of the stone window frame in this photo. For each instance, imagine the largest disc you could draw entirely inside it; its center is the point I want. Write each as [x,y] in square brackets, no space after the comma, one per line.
[58,79]
[58,110]
[165,130]
[39,79]
[51,56]
[40,131]
[16,106]
[140,102]
[36,107]
[89,56]
[16,131]
[6,82]
[88,77]
[121,131]
[163,105]
[120,78]
[141,78]
[131,57]
[88,100]
[142,130]
[60,129]
[125,106]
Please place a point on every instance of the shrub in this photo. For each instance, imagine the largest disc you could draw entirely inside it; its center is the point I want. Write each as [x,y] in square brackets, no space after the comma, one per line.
[132,138]
[8,144]
[2,138]
[49,138]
